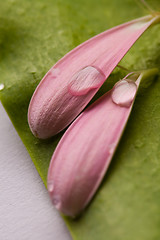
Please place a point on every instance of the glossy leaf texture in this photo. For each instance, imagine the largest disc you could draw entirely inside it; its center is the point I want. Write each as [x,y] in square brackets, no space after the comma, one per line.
[36,34]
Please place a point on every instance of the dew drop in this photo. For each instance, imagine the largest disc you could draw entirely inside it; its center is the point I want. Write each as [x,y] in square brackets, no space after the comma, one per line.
[50,186]
[124,92]
[139,143]
[137,25]
[57,202]
[86,79]
[1,86]
[55,72]
[112,148]
[33,69]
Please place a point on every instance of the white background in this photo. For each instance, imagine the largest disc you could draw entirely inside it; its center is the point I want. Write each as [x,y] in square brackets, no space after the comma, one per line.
[26,212]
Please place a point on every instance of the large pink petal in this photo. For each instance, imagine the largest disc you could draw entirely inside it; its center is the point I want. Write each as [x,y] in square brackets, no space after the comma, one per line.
[71,83]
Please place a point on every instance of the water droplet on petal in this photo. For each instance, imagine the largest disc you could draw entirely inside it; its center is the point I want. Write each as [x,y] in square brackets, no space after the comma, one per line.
[55,72]
[1,86]
[85,80]
[138,25]
[50,186]
[112,148]
[124,92]
[57,202]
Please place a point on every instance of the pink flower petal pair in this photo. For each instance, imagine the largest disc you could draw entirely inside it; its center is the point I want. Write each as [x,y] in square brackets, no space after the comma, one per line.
[72,82]
[84,153]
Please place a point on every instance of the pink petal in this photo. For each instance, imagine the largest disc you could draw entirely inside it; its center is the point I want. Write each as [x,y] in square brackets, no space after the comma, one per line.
[85,151]
[72,82]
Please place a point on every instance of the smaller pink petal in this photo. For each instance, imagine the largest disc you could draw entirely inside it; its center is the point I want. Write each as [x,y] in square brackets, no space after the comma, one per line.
[84,153]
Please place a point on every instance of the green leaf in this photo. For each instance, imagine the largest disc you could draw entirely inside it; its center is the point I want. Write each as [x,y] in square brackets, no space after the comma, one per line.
[33,36]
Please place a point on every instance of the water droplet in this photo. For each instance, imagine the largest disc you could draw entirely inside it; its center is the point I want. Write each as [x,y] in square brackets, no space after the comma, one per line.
[33,69]
[60,32]
[138,25]
[55,72]
[124,92]
[139,143]
[86,79]
[1,86]
[112,148]
[50,186]
[57,202]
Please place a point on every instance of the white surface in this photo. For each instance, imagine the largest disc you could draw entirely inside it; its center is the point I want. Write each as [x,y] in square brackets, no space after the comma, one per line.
[26,212]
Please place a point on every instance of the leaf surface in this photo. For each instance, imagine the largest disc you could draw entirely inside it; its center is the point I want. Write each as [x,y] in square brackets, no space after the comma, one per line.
[33,36]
